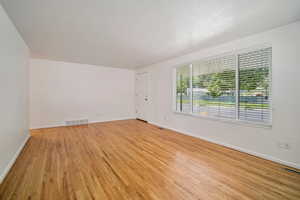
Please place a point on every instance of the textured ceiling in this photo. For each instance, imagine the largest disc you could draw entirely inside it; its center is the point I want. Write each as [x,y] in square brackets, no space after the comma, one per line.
[136,33]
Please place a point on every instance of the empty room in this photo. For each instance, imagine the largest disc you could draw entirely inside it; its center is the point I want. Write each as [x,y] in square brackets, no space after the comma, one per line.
[150,100]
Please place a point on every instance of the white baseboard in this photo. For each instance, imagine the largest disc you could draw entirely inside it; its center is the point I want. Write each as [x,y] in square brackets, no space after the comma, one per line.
[110,120]
[47,126]
[264,156]
[90,122]
[13,160]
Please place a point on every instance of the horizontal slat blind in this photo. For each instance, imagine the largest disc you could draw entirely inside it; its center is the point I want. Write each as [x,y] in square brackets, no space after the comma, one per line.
[183,103]
[214,87]
[254,85]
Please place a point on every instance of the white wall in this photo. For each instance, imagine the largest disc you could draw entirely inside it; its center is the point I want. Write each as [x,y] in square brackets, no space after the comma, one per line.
[13,93]
[62,91]
[286,94]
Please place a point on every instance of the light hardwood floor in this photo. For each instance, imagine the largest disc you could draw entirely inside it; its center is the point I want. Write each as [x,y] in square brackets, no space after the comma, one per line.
[134,160]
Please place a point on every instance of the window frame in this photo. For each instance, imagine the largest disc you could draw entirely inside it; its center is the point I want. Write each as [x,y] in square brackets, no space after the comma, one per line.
[236,119]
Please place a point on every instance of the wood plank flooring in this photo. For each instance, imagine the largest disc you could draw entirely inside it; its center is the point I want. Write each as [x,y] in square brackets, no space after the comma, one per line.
[130,159]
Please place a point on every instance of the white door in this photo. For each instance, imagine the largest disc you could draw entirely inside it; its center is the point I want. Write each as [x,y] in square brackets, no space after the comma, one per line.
[142,99]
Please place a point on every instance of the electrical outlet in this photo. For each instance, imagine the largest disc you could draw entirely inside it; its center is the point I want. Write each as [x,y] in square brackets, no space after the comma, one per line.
[284,145]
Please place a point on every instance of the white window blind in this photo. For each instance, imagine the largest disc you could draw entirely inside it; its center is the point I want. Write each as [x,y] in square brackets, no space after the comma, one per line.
[235,86]
[214,87]
[183,94]
[254,85]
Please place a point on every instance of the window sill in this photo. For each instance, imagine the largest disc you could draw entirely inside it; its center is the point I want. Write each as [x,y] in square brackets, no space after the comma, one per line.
[232,121]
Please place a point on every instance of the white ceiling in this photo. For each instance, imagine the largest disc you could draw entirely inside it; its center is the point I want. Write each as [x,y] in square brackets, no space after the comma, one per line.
[135,33]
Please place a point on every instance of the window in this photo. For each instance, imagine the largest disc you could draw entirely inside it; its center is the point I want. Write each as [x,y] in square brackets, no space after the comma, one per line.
[254,85]
[183,94]
[234,86]
[214,87]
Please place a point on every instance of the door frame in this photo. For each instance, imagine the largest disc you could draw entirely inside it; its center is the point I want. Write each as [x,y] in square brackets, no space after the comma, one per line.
[147,95]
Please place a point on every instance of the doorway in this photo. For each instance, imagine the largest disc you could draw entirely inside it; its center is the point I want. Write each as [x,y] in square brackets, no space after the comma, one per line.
[142,98]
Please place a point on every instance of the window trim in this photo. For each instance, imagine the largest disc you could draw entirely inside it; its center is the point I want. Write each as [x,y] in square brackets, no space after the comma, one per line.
[235,120]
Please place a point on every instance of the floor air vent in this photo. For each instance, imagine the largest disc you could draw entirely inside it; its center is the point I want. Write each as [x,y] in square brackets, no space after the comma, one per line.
[76,122]
[292,171]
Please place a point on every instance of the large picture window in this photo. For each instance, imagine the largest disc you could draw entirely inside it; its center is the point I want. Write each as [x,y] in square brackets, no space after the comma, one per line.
[235,86]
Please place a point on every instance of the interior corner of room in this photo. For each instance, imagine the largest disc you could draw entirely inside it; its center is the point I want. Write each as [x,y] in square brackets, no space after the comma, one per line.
[225,93]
